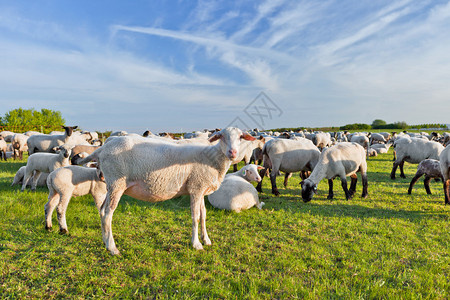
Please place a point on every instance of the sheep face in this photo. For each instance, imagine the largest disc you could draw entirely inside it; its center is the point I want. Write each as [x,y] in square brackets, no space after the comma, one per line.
[230,139]
[308,190]
[251,173]
[64,150]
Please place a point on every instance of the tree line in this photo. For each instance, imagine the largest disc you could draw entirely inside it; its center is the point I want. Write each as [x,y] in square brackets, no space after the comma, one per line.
[21,120]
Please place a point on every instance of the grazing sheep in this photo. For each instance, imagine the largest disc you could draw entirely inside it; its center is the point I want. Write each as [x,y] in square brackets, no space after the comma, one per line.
[46,142]
[19,144]
[360,138]
[236,193]
[343,159]
[155,170]
[322,140]
[444,160]
[431,169]
[79,149]
[45,162]
[3,147]
[7,135]
[288,156]
[20,174]
[376,138]
[414,150]
[71,181]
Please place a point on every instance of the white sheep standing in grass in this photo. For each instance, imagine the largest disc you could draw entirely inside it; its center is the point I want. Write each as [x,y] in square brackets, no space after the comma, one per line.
[154,170]
[343,159]
[236,193]
[47,142]
[20,174]
[3,147]
[414,150]
[72,181]
[444,160]
[45,162]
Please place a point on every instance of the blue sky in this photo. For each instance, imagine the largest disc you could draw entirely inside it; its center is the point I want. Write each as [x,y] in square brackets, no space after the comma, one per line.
[187,65]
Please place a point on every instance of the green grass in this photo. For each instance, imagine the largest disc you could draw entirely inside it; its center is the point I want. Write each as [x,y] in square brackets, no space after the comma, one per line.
[389,246]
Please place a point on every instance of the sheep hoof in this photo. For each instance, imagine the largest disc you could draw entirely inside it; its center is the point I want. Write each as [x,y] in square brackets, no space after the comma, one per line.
[364,196]
[114,252]
[197,246]
[48,228]
[330,197]
[402,176]
[63,231]
[276,193]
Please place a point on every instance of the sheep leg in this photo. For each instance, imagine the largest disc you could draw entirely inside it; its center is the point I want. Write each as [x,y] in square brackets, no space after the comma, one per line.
[36,176]
[262,173]
[205,236]
[273,180]
[402,174]
[196,214]
[286,177]
[26,178]
[61,212]
[394,169]
[365,185]
[53,200]
[447,191]
[330,189]
[414,180]
[112,200]
[348,196]
[354,180]
[426,183]
[235,168]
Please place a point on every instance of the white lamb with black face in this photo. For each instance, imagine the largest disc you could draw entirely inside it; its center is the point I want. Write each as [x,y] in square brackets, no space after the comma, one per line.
[236,193]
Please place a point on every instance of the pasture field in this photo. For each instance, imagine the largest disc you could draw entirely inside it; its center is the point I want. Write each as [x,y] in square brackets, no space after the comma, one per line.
[389,246]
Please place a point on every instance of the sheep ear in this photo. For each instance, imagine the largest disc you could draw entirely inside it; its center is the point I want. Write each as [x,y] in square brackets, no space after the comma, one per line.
[315,189]
[301,183]
[215,137]
[247,137]
[259,167]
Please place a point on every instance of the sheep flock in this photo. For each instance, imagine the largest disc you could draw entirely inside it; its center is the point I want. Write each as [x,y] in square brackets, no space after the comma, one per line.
[155,168]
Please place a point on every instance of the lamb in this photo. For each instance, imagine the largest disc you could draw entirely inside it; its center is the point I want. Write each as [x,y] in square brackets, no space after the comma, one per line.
[72,181]
[19,144]
[20,174]
[3,147]
[155,170]
[444,161]
[414,150]
[431,168]
[246,151]
[46,142]
[343,159]
[287,156]
[236,193]
[45,162]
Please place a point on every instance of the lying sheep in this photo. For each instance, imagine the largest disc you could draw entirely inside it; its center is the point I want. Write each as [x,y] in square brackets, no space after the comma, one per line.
[72,181]
[236,193]
[3,147]
[372,152]
[431,169]
[444,161]
[343,159]
[381,148]
[20,174]
[414,150]
[45,162]
[288,156]
[155,170]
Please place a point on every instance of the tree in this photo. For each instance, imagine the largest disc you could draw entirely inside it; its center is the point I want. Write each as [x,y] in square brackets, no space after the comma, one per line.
[20,120]
[376,124]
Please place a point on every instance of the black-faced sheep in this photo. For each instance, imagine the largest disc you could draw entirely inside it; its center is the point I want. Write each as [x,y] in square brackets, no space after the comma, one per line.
[288,156]
[431,169]
[47,142]
[343,159]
